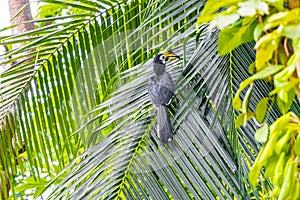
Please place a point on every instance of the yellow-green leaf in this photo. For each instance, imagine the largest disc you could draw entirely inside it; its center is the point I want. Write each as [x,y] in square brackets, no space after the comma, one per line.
[236,34]
[297,146]
[261,109]
[261,134]
[250,8]
[271,166]
[243,118]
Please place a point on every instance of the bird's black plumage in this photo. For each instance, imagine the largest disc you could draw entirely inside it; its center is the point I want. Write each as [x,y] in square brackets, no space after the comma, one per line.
[161,90]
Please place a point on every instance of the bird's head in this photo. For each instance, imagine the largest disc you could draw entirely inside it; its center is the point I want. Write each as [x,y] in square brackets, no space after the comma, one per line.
[165,56]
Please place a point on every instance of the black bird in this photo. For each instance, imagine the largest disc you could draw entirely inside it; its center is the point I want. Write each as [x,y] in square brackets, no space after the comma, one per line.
[161,91]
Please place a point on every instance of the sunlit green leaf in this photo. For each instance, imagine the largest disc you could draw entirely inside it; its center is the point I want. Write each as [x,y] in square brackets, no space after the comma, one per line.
[243,118]
[223,21]
[297,146]
[261,109]
[250,8]
[236,34]
[261,134]
[266,46]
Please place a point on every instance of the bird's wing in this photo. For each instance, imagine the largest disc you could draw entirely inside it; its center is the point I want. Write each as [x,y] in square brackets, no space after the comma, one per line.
[159,91]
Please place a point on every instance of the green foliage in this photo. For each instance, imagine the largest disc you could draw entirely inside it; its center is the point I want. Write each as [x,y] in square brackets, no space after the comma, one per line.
[265,73]
[236,34]
[274,25]
[261,134]
[261,109]
[284,172]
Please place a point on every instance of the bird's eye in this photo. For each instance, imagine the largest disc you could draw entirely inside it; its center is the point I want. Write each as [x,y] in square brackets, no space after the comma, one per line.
[162,57]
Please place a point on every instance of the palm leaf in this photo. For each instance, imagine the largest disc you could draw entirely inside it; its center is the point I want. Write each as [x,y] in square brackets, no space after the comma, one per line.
[201,162]
[40,105]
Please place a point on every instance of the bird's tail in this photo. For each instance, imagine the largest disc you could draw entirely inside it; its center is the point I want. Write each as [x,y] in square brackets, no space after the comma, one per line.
[164,125]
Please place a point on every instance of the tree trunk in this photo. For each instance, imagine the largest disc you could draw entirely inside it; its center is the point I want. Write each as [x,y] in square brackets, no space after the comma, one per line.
[14,7]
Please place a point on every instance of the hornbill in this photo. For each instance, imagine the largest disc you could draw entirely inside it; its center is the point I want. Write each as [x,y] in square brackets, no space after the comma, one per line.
[161,91]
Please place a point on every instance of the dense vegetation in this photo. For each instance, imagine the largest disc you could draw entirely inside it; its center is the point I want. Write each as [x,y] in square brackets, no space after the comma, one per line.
[76,120]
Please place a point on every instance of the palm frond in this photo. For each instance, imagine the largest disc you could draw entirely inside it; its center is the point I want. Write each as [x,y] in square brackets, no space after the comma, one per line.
[200,163]
[47,85]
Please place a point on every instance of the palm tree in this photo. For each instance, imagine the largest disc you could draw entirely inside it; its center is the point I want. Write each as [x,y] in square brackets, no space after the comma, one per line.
[78,104]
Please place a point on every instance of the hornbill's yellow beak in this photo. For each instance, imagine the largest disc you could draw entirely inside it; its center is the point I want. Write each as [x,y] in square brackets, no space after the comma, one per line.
[170,55]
